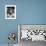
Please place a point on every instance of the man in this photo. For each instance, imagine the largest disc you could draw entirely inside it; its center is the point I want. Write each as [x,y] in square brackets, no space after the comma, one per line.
[10,12]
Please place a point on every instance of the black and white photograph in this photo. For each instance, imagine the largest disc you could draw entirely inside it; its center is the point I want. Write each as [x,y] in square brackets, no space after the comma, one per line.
[31,34]
[10,12]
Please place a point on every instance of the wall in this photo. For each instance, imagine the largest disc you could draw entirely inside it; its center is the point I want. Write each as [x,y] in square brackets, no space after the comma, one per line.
[31,11]
[27,12]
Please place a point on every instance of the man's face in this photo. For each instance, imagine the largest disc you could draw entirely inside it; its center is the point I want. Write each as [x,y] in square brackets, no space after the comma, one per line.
[11,11]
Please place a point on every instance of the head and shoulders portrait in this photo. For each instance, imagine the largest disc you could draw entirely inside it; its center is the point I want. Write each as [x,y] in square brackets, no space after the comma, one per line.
[10,12]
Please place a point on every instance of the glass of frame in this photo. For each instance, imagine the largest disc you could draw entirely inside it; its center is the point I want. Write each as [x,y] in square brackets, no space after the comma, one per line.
[10,11]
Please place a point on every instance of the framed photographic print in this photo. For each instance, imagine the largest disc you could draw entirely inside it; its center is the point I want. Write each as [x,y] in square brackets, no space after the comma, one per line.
[33,32]
[10,11]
